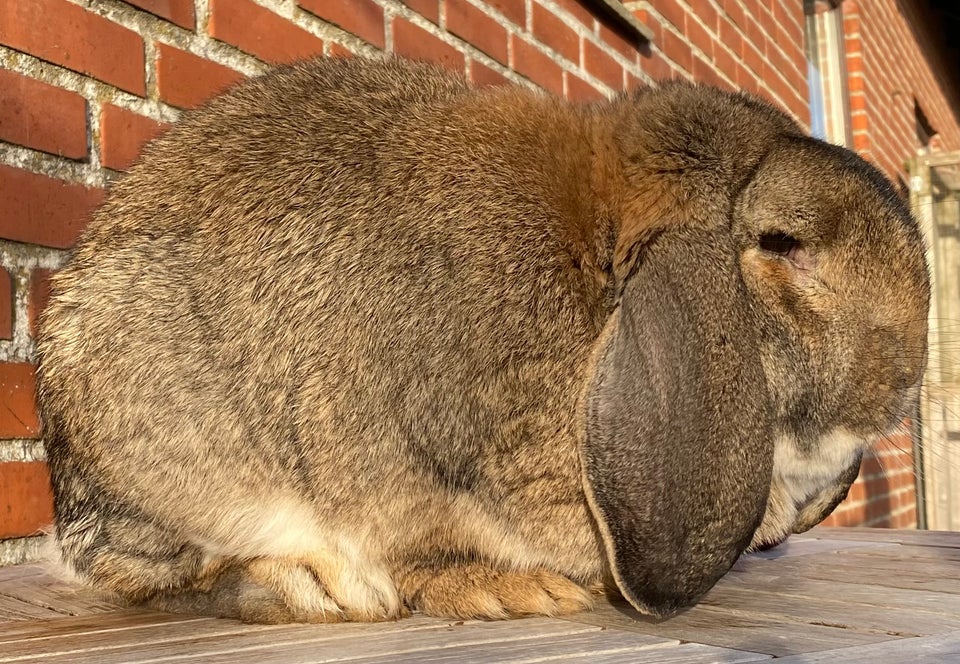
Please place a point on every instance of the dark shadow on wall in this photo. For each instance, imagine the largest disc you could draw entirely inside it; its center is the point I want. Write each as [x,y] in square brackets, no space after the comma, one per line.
[935,25]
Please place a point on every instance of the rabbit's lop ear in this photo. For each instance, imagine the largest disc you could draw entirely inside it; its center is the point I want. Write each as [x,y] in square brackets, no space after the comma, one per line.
[677,457]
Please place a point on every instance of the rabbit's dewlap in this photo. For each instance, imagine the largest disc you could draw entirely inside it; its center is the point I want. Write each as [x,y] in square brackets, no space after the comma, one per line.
[354,339]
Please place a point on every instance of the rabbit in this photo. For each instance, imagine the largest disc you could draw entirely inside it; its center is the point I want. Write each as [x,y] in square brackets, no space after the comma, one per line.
[356,339]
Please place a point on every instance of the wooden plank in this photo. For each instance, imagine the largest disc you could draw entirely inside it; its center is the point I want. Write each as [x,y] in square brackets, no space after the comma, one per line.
[607,646]
[916,537]
[452,642]
[55,593]
[730,629]
[772,579]
[688,653]
[878,570]
[831,609]
[912,552]
[13,609]
[938,649]
[19,572]
[794,547]
[70,627]
[325,645]
[234,642]
[189,636]
[148,635]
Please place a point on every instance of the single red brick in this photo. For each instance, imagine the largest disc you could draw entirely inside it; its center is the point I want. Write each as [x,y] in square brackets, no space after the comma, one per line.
[481,75]
[733,9]
[42,116]
[672,12]
[187,80]
[756,35]
[577,8]
[706,12]
[175,11]
[550,31]
[475,27]
[598,63]
[39,296]
[854,64]
[725,62]
[699,37]
[535,65]
[515,10]
[362,18]
[18,411]
[729,36]
[656,66]
[678,50]
[26,501]
[861,143]
[704,73]
[579,90]
[259,31]
[753,58]
[625,46]
[43,210]
[68,35]
[746,80]
[428,9]
[778,61]
[6,305]
[776,82]
[415,42]
[789,13]
[123,134]
[766,19]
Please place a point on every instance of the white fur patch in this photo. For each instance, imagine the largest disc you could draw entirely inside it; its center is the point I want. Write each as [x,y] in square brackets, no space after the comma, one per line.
[804,474]
[282,529]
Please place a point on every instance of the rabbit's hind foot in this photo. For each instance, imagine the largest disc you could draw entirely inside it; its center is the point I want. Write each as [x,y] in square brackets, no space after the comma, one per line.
[475,590]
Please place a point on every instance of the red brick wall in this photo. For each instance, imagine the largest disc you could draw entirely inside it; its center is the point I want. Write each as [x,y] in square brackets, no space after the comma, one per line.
[753,45]
[888,46]
[84,84]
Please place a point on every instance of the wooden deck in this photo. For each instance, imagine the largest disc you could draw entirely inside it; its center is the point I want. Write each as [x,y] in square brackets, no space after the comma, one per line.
[833,595]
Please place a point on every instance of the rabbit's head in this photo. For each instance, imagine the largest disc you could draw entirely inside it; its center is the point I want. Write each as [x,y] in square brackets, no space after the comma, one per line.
[772,299]
[836,261]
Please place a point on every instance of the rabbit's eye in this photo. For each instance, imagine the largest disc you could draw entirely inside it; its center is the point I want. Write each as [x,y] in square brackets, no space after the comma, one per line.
[779,243]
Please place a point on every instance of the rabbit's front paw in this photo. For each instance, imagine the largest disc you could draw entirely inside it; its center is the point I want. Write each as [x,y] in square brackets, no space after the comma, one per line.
[478,591]
[319,588]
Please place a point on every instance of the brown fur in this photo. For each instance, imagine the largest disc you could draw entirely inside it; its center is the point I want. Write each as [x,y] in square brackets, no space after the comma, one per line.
[325,353]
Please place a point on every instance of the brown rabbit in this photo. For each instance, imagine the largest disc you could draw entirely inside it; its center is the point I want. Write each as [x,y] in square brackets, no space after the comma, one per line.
[355,339]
